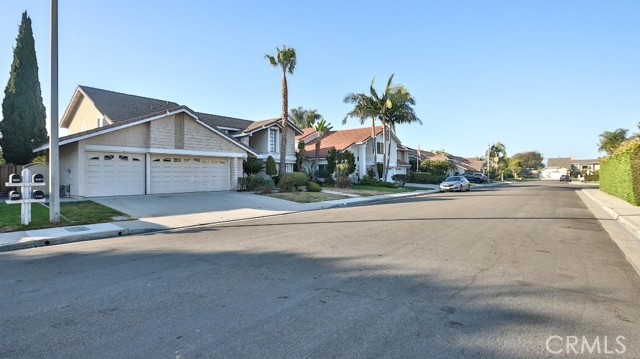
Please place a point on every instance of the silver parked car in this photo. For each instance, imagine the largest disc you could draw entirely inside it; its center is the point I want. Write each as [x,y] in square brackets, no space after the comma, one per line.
[455,183]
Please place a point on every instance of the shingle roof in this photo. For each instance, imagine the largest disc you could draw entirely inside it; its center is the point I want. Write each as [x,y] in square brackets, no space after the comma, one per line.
[223,121]
[340,140]
[119,107]
[559,162]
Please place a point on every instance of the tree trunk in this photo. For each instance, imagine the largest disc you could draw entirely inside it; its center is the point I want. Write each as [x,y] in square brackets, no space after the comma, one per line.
[282,168]
[375,148]
[316,170]
[384,153]
[389,154]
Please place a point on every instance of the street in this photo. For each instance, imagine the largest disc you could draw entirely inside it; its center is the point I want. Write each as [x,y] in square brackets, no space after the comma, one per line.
[492,273]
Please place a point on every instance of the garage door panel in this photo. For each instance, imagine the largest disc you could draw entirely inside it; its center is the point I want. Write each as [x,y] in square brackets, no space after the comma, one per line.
[178,174]
[112,174]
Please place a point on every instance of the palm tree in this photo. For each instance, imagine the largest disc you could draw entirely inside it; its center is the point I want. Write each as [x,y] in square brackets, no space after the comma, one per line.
[286,60]
[322,128]
[401,111]
[610,141]
[304,118]
[364,108]
[497,153]
[637,134]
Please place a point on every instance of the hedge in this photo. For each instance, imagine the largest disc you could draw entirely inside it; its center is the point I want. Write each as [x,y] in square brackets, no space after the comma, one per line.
[426,177]
[291,181]
[620,173]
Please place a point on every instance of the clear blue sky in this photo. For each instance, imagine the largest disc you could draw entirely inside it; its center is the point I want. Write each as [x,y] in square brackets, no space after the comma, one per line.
[536,75]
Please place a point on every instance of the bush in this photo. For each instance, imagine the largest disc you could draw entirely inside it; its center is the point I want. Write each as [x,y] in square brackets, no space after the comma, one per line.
[271,169]
[313,187]
[329,182]
[400,179]
[426,177]
[368,181]
[289,182]
[252,183]
[252,166]
[592,178]
[267,186]
[620,173]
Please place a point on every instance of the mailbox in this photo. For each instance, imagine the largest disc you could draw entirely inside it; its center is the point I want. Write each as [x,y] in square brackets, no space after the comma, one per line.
[14,178]
[15,196]
[37,178]
[37,194]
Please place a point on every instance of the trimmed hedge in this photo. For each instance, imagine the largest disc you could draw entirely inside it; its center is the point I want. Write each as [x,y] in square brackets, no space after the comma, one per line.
[620,173]
[313,187]
[426,178]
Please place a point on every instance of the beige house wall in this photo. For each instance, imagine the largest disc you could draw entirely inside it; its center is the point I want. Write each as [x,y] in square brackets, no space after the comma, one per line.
[162,133]
[70,171]
[135,136]
[199,138]
[85,117]
[259,141]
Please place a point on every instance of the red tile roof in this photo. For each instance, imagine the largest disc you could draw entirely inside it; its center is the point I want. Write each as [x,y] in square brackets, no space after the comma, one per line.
[340,140]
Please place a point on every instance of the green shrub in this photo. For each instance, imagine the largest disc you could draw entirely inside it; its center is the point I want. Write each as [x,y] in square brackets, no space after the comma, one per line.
[368,181]
[400,179]
[592,178]
[252,166]
[267,186]
[426,177]
[620,173]
[292,181]
[252,183]
[313,187]
[271,169]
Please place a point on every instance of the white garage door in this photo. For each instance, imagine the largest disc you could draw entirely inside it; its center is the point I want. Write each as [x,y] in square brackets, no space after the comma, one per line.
[114,174]
[177,174]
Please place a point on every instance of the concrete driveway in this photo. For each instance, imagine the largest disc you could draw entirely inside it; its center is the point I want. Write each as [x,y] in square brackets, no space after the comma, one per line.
[161,205]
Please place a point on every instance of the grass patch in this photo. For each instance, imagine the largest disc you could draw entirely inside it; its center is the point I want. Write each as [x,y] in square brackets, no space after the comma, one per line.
[74,213]
[306,197]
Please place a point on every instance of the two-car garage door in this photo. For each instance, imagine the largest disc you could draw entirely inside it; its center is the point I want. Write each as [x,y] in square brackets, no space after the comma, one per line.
[113,174]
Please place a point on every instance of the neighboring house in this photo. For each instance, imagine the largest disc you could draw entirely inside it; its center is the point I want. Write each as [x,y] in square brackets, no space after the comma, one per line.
[574,165]
[120,144]
[462,165]
[359,142]
[553,173]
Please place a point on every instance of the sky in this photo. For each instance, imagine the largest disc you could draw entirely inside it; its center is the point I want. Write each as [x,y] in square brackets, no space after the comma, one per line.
[548,76]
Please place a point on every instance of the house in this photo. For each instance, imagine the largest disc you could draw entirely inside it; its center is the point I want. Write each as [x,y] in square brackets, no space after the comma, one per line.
[575,166]
[553,173]
[359,142]
[121,144]
[461,164]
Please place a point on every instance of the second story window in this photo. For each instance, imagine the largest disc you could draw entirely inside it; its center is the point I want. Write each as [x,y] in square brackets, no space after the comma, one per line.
[273,140]
[380,148]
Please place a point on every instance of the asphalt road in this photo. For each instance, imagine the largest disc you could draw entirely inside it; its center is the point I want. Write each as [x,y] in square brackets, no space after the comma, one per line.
[493,273]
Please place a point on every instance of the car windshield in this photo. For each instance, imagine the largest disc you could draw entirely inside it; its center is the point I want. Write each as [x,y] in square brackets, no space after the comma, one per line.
[452,179]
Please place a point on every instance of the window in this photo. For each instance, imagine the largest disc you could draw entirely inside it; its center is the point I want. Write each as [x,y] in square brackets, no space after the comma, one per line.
[135,159]
[273,140]
[166,160]
[123,158]
[288,167]
[177,159]
[108,157]
[380,148]
[94,158]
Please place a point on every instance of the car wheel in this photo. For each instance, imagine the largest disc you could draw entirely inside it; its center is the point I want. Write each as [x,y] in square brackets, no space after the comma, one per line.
[469,187]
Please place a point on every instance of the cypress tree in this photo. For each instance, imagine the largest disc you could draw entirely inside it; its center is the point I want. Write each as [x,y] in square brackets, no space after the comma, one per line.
[24,116]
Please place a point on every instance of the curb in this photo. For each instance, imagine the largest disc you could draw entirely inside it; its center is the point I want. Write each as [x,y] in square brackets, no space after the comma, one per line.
[616,216]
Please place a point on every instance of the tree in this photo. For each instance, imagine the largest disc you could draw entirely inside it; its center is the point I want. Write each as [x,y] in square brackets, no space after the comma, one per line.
[24,117]
[322,128]
[437,167]
[301,154]
[304,118]
[271,169]
[515,166]
[286,60]
[610,141]
[636,135]
[497,154]
[530,160]
[364,108]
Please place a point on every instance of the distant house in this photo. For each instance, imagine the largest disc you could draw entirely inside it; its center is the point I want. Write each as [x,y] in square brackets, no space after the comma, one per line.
[359,142]
[553,173]
[462,164]
[574,165]
[121,144]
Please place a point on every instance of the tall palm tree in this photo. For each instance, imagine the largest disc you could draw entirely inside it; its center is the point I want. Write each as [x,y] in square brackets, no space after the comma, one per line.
[322,128]
[364,108]
[286,60]
[304,118]
[401,111]
[610,141]
[497,153]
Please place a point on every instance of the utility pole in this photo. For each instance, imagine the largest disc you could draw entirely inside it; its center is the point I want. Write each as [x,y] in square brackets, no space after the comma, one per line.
[54,151]
[489,164]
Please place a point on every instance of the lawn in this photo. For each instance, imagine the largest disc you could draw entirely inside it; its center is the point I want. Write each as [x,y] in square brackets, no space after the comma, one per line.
[306,197]
[73,213]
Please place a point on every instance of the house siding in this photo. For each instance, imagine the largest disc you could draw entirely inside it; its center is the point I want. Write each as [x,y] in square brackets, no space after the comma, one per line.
[259,141]
[198,138]
[134,136]
[162,133]
[70,171]
[85,117]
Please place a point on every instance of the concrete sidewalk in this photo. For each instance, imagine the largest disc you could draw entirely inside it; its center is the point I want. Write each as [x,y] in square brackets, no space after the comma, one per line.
[233,209]
[606,208]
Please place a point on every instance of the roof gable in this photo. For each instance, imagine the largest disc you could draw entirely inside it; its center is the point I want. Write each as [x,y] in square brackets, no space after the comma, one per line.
[340,140]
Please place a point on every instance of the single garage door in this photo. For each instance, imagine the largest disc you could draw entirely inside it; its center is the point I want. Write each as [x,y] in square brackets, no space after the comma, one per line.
[114,174]
[177,174]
